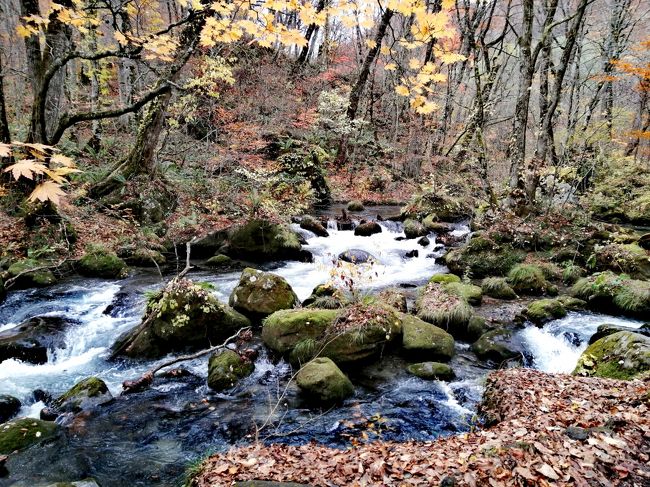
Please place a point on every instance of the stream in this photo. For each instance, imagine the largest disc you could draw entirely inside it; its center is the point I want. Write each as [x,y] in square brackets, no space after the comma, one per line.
[150,438]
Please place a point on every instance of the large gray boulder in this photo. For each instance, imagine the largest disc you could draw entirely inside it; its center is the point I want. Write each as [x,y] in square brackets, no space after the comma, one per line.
[259,294]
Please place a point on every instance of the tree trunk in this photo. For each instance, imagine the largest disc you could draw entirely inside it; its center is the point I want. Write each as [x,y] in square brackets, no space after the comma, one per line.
[5,134]
[312,30]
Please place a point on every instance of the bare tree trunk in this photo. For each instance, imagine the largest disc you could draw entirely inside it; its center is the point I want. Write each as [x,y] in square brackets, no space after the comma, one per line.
[311,33]
[5,134]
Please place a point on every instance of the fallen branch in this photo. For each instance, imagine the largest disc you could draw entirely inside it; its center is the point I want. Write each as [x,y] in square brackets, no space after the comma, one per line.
[12,280]
[147,378]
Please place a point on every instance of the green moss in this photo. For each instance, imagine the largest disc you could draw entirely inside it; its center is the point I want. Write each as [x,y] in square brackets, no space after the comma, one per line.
[606,290]
[497,287]
[323,381]
[482,257]
[572,273]
[527,279]
[571,303]
[432,371]
[432,225]
[100,262]
[552,272]
[544,310]
[260,240]
[424,340]
[304,351]
[355,205]
[219,260]
[22,433]
[624,258]
[414,229]
[442,278]
[446,310]
[225,369]
[260,294]
[622,355]
[91,387]
[470,293]
[283,330]
[25,277]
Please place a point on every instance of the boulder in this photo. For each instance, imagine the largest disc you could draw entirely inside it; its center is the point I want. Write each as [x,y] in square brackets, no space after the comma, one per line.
[437,227]
[355,205]
[607,329]
[444,278]
[283,330]
[572,273]
[183,316]
[614,293]
[528,279]
[85,395]
[630,259]
[432,371]
[572,304]
[497,346]
[21,433]
[498,288]
[414,229]
[356,256]
[367,229]
[544,310]
[411,254]
[424,241]
[422,340]
[261,241]
[313,225]
[470,293]
[142,257]
[9,407]
[325,296]
[100,262]
[30,273]
[394,298]
[644,241]
[443,309]
[482,257]
[31,340]
[219,260]
[322,381]
[621,355]
[259,294]
[476,327]
[226,368]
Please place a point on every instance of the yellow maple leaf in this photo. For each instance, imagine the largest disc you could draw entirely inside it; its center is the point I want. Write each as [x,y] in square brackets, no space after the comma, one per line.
[47,191]
[26,168]
[371,43]
[62,160]
[390,67]
[5,150]
[402,90]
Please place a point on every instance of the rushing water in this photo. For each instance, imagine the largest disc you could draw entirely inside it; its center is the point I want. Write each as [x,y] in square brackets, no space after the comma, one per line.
[149,438]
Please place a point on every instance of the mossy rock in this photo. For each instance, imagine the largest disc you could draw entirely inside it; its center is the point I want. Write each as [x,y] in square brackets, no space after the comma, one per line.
[622,355]
[326,296]
[100,262]
[470,293]
[414,229]
[497,346]
[22,433]
[444,309]
[476,328]
[483,257]
[528,279]
[25,278]
[607,329]
[226,368]
[219,260]
[284,329]
[440,205]
[432,225]
[572,304]
[394,298]
[614,293]
[422,340]
[9,407]
[84,395]
[551,271]
[432,371]
[183,316]
[262,241]
[444,278]
[322,381]
[355,205]
[623,258]
[143,257]
[572,273]
[544,310]
[313,225]
[498,288]
[259,294]
[367,229]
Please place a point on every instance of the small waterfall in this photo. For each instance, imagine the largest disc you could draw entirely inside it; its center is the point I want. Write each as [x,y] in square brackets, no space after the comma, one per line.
[332,225]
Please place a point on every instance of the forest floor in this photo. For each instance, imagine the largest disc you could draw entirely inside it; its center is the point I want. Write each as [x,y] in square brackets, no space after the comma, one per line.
[549,429]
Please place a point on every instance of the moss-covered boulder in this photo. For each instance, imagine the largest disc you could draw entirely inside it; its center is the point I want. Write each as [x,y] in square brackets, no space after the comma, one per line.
[219,260]
[84,395]
[183,316]
[283,330]
[470,293]
[497,345]
[571,303]
[394,298]
[414,229]
[623,258]
[431,223]
[28,273]
[607,329]
[498,288]
[262,241]
[325,296]
[259,294]
[422,340]
[142,257]
[476,328]
[432,371]
[622,355]
[355,205]
[444,309]
[528,279]
[9,407]
[614,293]
[100,262]
[311,224]
[22,433]
[444,278]
[439,205]
[571,273]
[226,368]
[322,381]
[544,310]
[483,257]
[367,229]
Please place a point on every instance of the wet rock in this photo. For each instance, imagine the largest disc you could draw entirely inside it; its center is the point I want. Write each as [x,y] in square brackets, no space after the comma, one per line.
[31,340]
[432,371]
[483,257]
[30,273]
[219,260]
[85,395]
[621,355]
[613,293]
[356,256]
[322,381]
[226,368]
[414,229]
[394,298]
[100,262]
[476,327]
[422,340]
[444,278]
[283,330]
[355,205]
[49,414]
[432,225]
[259,294]
[424,241]
[497,345]
[21,433]
[183,316]
[367,229]
[444,309]
[9,407]
[544,310]
[498,288]
[607,329]
[411,254]
[470,293]
[528,279]
[644,241]
[572,304]
[313,225]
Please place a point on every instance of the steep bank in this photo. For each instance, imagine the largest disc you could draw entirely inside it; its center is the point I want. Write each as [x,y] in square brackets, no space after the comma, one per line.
[550,429]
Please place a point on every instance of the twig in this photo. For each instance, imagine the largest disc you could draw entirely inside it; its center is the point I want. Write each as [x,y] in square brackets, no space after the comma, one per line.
[10,282]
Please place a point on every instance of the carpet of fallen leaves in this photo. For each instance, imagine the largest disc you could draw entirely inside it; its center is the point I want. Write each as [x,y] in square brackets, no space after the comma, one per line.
[548,430]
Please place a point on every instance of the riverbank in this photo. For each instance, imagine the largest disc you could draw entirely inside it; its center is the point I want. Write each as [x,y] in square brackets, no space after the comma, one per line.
[550,429]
